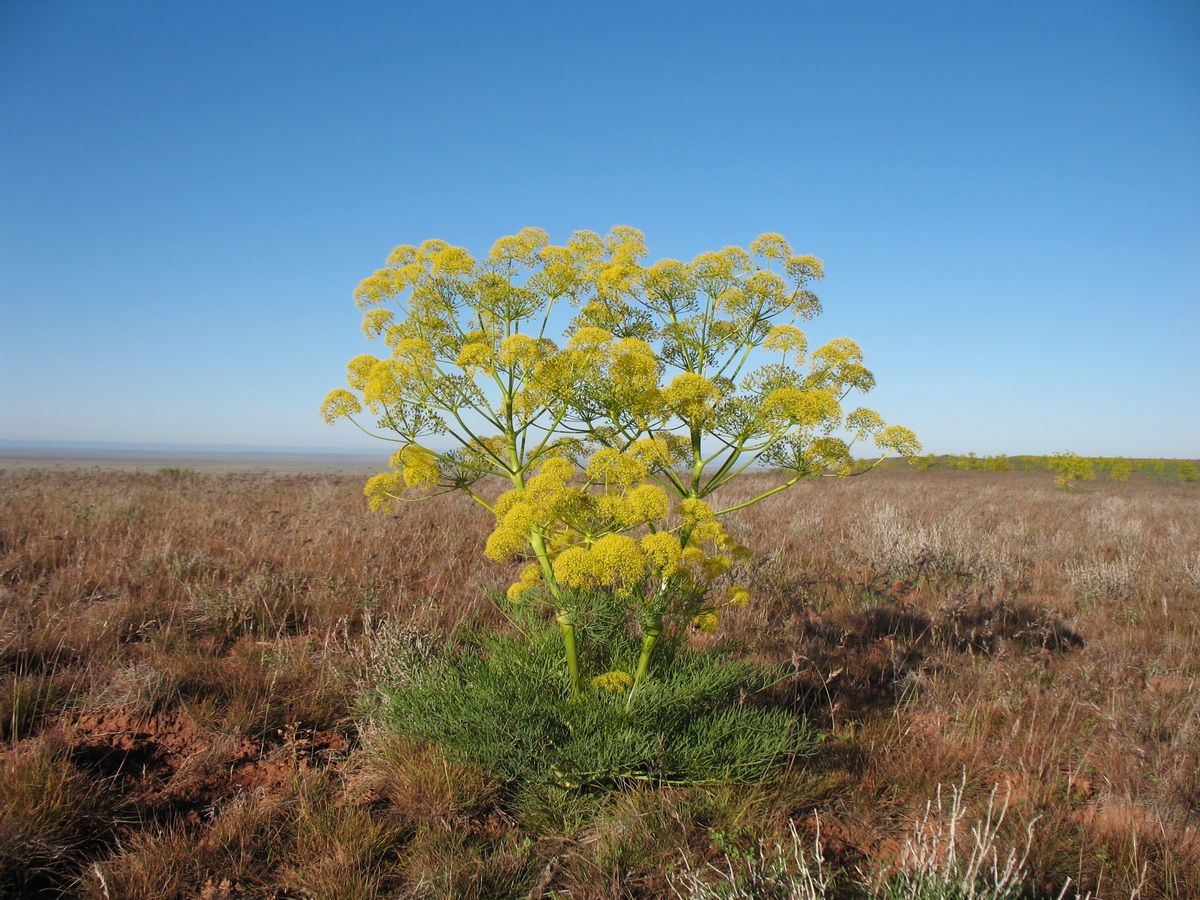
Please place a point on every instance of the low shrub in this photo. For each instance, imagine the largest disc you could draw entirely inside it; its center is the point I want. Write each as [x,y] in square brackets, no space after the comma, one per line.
[497,703]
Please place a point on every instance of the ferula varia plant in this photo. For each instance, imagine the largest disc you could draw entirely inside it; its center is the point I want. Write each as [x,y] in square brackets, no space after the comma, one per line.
[669,381]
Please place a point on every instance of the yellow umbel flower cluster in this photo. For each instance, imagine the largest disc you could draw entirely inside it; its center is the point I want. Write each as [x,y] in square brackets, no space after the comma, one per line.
[616,682]
[707,620]
[413,467]
[586,534]
[531,578]
[615,561]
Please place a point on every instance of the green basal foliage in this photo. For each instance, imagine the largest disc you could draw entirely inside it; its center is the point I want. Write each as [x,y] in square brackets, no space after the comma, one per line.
[494,704]
[671,379]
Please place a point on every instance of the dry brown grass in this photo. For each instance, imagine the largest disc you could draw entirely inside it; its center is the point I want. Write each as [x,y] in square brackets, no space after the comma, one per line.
[180,658]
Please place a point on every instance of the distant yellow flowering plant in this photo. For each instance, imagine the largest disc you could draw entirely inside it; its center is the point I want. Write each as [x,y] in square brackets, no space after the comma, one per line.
[671,380]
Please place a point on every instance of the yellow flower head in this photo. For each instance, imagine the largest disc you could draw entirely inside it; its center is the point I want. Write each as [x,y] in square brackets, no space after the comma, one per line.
[828,452]
[519,349]
[693,511]
[516,592]
[403,255]
[524,247]
[376,321]
[531,577]
[634,365]
[504,543]
[414,350]
[802,407]
[766,290]
[691,397]
[586,338]
[383,488]
[658,451]
[452,261]
[803,267]
[576,567]
[707,620]
[707,530]
[609,466]
[385,383]
[573,506]
[474,355]
[787,339]
[899,438]
[645,503]
[559,468]
[358,371]
[339,404]
[520,516]
[617,682]
[738,596]
[620,562]
[615,279]
[663,551]
[542,488]
[772,246]
[864,421]
[419,466]
[375,290]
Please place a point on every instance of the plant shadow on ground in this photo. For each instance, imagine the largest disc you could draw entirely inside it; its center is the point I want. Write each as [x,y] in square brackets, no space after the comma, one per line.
[866,658]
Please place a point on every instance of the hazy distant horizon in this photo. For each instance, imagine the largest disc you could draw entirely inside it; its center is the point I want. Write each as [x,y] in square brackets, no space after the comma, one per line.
[10,446]
[131,456]
[14,447]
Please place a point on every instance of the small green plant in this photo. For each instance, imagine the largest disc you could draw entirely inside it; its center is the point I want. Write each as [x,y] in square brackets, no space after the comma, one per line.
[944,857]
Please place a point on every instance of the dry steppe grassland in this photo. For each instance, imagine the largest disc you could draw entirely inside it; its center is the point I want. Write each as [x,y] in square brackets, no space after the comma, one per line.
[187,663]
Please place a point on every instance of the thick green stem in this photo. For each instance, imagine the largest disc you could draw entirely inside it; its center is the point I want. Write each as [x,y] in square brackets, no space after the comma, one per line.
[567,624]
[651,632]
[564,618]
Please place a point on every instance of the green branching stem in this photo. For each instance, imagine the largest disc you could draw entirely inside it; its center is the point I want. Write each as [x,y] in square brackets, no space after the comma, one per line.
[763,496]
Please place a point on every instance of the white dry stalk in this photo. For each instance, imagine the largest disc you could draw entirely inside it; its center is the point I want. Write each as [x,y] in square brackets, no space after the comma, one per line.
[931,855]
[933,865]
[1117,520]
[1192,570]
[789,873]
[1104,579]
[895,545]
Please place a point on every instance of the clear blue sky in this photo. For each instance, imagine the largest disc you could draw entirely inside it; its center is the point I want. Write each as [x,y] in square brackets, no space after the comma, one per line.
[1006,194]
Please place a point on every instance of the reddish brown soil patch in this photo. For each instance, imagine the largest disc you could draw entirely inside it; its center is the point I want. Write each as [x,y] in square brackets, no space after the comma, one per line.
[172,765]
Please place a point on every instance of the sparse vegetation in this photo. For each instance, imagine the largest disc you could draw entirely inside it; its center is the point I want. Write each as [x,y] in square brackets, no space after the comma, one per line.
[183,663]
[1069,467]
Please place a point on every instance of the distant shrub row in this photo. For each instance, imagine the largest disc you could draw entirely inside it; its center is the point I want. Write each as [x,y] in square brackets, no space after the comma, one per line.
[1068,466]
